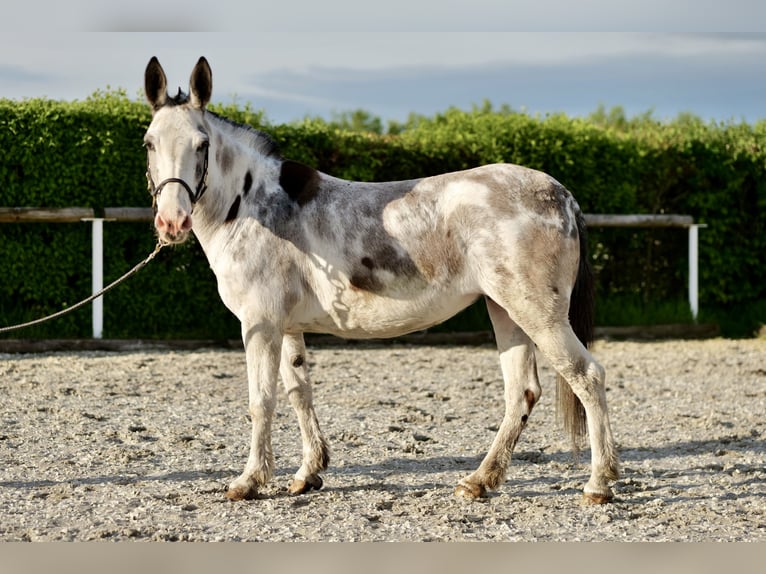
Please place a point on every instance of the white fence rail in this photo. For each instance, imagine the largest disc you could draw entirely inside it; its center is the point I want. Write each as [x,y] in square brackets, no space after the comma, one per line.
[138,214]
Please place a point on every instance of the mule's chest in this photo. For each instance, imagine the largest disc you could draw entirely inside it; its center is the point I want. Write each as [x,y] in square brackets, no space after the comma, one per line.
[256,280]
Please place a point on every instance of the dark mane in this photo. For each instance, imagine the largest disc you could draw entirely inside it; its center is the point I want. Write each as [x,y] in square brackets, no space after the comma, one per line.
[260,140]
[179,99]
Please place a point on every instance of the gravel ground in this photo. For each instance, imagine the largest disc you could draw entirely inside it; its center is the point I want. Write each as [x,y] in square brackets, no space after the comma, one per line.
[141,445]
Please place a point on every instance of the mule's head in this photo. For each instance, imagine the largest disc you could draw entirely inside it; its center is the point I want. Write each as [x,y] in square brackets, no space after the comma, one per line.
[177,148]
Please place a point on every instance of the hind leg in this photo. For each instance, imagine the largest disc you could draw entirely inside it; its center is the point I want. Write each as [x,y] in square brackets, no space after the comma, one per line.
[586,377]
[556,340]
[535,285]
[294,373]
[522,391]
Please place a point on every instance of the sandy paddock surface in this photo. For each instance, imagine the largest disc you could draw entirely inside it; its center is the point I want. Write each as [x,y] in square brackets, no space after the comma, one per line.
[140,446]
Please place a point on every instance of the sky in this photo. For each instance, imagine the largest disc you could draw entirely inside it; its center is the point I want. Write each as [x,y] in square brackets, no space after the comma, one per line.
[297,59]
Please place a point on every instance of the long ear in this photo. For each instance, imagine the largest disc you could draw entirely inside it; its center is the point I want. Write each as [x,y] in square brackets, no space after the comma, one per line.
[201,84]
[155,84]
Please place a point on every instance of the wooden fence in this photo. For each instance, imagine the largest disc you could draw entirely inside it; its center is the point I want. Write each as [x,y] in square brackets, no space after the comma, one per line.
[144,214]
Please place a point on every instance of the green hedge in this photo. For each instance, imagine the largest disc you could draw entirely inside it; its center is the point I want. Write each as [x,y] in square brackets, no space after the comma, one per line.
[89,154]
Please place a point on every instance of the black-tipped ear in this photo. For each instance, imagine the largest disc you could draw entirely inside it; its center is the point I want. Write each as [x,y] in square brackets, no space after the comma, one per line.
[155,84]
[201,84]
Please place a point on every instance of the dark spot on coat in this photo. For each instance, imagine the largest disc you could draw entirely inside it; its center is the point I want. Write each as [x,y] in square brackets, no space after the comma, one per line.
[297,361]
[529,396]
[233,210]
[300,182]
[364,280]
[225,158]
[524,419]
[388,257]
[367,262]
[248,183]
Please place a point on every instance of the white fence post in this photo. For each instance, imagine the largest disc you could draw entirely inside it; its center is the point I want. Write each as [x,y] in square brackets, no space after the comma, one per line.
[98,277]
[661,220]
[694,268]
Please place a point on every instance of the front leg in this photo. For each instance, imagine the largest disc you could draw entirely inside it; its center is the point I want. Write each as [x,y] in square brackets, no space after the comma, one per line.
[295,377]
[262,350]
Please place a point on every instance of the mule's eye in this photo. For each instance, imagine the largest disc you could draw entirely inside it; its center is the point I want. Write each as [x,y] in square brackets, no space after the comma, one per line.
[203,145]
[149,146]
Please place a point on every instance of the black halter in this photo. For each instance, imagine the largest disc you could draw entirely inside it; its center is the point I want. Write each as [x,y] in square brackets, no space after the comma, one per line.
[193,196]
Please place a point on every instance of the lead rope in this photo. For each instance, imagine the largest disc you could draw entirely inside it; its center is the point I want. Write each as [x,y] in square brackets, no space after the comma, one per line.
[113,284]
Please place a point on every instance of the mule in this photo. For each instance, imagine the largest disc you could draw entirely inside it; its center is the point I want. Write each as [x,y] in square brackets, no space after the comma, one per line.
[296,251]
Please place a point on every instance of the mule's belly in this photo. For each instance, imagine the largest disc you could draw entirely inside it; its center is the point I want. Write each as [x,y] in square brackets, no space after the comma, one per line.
[367,316]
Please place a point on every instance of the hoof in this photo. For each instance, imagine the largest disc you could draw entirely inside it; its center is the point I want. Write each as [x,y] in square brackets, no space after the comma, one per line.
[589,498]
[299,486]
[470,490]
[241,493]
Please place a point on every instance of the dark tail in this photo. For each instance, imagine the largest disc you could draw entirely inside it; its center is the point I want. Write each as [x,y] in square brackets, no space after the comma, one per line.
[581,306]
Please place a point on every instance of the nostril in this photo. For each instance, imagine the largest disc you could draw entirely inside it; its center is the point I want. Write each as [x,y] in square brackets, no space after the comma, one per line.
[159,223]
[187,223]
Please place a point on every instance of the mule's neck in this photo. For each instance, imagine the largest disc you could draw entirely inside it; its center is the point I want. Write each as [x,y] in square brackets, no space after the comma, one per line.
[242,161]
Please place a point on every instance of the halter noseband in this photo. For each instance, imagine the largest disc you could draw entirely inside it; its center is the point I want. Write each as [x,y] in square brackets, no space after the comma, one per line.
[194,197]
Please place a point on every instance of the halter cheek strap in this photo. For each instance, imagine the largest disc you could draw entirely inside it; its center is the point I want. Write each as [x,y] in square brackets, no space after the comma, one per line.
[194,196]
